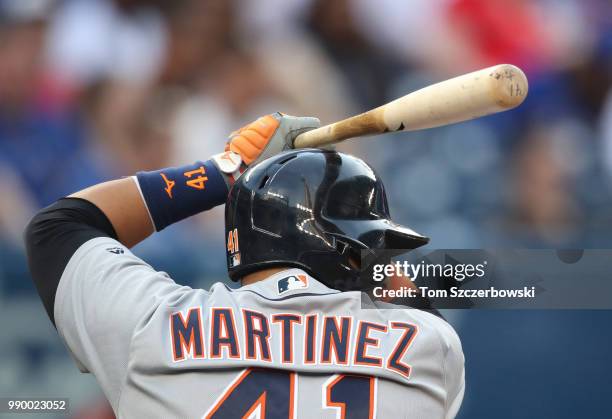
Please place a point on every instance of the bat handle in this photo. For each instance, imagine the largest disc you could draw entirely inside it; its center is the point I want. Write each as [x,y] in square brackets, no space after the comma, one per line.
[367,123]
[315,138]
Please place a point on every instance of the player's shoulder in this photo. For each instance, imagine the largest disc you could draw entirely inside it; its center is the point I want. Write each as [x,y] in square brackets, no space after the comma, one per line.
[99,250]
[284,285]
[429,323]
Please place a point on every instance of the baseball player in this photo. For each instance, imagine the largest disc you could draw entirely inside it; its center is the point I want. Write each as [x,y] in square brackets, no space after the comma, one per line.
[298,339]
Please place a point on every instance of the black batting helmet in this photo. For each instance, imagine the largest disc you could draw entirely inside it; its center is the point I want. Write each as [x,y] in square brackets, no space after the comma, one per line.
[312,209]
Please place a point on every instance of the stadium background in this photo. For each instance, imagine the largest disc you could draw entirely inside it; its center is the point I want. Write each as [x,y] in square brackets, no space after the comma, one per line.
[96,89]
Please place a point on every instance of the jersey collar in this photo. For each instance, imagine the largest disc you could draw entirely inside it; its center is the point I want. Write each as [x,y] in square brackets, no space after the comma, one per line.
[288,282]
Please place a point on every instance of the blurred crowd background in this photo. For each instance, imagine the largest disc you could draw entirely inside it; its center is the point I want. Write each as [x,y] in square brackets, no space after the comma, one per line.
[92,90]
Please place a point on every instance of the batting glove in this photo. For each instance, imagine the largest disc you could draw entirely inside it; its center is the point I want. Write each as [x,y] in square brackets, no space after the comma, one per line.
[259,140]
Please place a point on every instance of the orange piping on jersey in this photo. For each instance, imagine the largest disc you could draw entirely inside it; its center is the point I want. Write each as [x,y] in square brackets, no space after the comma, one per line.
[228,392]
[332,343]
[342,405]
[257,338]
[289,338]
[224,321]
[407,329]
[328,400]
[314,338]
[292,395]
[187,347]
[261,401]
[373,381]
[381,328]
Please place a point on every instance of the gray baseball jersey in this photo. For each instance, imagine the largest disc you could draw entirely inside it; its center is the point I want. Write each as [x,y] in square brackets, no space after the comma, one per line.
[285,347]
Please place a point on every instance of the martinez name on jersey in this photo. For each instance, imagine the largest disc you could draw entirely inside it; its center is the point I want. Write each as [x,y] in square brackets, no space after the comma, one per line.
[310,339]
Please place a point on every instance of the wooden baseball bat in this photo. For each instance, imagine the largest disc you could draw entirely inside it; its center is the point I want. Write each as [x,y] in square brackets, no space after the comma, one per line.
[483,92]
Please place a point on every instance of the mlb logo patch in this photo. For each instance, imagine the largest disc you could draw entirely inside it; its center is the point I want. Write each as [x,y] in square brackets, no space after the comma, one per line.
[234,260]
[293,282]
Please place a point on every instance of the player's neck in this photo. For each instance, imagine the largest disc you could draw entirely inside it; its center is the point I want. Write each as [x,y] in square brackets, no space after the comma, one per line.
[261,275]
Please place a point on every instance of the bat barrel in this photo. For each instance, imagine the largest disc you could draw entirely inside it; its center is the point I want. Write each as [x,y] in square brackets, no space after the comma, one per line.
[508,85]
[483,92]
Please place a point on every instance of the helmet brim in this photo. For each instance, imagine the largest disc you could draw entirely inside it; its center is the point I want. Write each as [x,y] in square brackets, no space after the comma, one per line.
[379,234]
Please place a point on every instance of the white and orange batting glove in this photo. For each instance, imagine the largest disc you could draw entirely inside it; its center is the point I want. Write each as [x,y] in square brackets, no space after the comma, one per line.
[259,140]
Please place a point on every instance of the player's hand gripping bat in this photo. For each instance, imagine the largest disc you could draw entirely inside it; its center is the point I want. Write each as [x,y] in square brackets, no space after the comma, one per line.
[484,92]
